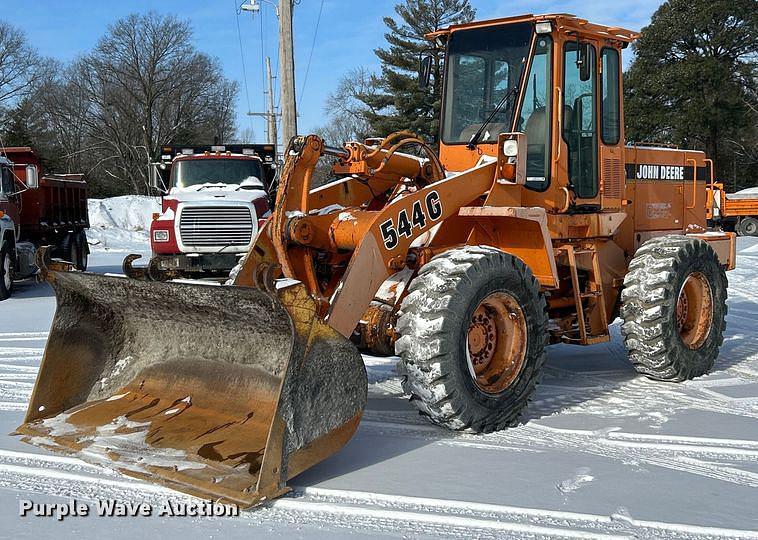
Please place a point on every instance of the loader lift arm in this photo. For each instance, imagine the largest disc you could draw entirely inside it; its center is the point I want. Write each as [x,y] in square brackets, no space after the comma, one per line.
[374,243]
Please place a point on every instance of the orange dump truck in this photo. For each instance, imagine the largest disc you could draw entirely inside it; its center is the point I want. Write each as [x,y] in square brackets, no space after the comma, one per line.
[736,212]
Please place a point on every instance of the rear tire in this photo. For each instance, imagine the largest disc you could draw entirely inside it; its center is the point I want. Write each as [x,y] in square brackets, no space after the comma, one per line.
[473,336]
[82,251]
[6,272]
[674,308]
[73,251]
[748,226]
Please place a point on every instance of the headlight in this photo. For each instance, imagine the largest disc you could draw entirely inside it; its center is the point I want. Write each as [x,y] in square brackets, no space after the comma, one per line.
[160,236]
[510,148]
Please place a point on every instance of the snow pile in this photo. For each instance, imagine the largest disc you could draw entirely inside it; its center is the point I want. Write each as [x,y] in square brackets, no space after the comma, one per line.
[121,223]
[748,193]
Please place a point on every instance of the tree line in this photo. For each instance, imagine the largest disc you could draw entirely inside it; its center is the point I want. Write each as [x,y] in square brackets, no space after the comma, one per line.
[108,112]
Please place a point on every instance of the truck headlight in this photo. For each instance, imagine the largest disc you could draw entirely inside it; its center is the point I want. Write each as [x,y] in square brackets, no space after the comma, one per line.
[160,236]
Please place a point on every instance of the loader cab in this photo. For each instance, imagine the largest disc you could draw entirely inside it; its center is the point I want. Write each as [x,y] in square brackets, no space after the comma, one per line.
[555,78]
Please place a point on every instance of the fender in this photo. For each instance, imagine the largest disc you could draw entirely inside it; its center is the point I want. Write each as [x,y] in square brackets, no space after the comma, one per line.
[522,232]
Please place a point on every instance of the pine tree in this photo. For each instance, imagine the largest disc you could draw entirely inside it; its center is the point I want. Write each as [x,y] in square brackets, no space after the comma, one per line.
[693,80]
[400,104]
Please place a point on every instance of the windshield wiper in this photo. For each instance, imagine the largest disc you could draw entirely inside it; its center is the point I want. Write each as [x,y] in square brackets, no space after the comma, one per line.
[478,135]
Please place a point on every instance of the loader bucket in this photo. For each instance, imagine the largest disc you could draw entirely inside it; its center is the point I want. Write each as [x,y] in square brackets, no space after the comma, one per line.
[221,392]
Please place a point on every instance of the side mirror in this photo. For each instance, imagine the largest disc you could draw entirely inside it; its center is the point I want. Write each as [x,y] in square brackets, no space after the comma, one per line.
[156,182]
[32,177]
[424,72]
[582,61]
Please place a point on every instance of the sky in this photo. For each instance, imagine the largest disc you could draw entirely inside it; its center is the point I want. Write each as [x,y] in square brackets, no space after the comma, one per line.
[347,35]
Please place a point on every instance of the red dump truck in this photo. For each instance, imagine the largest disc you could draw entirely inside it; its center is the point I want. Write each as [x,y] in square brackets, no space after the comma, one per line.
[37,210]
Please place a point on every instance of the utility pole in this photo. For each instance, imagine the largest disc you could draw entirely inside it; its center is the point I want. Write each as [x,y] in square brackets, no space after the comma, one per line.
[272,135]
[270,114]
[287,73]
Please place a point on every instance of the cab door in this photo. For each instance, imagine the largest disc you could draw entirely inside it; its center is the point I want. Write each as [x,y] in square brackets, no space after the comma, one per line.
[8,194]
[579,129]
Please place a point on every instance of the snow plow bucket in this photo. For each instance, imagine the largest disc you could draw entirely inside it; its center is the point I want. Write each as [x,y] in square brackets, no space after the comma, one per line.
[224,393]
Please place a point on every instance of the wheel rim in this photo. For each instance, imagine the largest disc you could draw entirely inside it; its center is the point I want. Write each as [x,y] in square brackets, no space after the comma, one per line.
[496,343]
[694,310]
[750,228]
[7,273]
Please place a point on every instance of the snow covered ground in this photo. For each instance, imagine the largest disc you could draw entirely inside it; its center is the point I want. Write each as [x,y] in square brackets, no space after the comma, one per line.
[604,453]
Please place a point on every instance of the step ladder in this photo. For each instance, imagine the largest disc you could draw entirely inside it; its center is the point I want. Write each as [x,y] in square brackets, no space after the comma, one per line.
[588,301]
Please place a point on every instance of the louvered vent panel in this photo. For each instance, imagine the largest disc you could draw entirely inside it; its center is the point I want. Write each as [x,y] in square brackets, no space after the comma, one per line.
[613,178]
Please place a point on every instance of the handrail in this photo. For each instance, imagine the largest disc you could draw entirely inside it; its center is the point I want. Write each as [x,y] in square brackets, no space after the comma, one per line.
[694,183]
[713,180]
[559,107]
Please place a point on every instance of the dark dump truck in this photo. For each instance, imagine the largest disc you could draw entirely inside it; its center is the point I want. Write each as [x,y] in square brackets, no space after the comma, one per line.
[38,210]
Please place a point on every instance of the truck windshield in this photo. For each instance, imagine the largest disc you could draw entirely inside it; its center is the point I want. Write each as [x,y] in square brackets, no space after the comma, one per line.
[196,172]
[482,65]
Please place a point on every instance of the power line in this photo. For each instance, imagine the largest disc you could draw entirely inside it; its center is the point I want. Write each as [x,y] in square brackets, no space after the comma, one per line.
[310,56]
[242,57]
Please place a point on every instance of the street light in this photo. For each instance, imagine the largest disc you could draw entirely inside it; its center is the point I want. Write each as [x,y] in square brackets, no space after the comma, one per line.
[255,7]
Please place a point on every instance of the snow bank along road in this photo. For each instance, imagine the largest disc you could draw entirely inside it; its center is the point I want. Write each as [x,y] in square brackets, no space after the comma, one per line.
[603,453]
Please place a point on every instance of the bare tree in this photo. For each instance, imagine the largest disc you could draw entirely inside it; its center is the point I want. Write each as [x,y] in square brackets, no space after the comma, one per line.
[346,106]
[144,85]
[20,65]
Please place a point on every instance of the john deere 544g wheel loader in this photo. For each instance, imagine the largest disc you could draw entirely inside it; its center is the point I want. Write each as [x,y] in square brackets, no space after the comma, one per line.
[535,224]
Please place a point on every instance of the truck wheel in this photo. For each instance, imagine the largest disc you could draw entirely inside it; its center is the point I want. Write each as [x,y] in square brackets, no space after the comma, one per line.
[6,272]
[674,308]
[473,332]
[749,226]
[82,251]
[70,250]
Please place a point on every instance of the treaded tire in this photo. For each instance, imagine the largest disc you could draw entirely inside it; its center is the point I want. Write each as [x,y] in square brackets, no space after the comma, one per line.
[433,325]
[67,248]
[71,250]
[748,226]
[5,255]
[652,287]
[82,251]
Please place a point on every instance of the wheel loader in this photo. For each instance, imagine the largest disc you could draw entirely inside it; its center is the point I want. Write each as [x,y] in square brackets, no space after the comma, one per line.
[533,224]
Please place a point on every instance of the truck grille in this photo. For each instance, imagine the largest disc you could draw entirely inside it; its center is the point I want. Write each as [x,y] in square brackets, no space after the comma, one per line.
[215,226]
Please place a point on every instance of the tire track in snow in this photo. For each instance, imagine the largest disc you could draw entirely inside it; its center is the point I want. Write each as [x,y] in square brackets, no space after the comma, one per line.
[713,458]
[23,336]
[21,352]
[373,512]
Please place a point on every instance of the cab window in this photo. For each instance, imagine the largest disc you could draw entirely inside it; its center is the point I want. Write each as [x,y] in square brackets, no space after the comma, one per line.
[580,117]
[610,104]
[8,185]
[535,116]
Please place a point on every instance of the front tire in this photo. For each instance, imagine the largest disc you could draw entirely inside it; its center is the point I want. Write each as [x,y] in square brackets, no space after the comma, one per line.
[473,339]
[674,308]
[6,272]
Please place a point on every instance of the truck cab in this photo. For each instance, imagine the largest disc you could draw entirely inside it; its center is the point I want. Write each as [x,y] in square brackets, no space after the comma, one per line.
[213,201]
[38,210]
[16,251]
[8,223]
